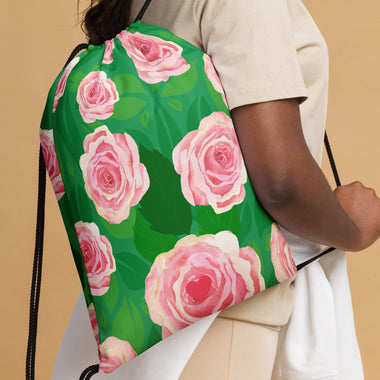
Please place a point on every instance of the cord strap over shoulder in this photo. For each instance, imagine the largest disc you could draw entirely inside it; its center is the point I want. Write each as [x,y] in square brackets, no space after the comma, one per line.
[142,10]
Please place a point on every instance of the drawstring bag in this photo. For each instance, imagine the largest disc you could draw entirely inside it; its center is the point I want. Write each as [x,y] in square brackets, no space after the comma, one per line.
[163,223]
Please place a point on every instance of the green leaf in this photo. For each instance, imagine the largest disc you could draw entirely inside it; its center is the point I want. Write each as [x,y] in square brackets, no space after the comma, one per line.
[175,104]
[204,107]
[154,86]
[164,135]
[102,319]
[155,335]
[123,230]
[139,324]
[144,306]
[128,325]
[198,110]
[73,87]
[86,128]
[173,127]
[90,127]
[112,295]
[145,118]
[128,107]
[164,205]
[181,84]
[141,138]
[133,270]
[76,77]
[151,243]
[212,223]
[127,83]
[169,134]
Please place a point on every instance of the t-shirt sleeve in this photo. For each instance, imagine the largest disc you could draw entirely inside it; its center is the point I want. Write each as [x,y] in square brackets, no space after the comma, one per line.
[252,47]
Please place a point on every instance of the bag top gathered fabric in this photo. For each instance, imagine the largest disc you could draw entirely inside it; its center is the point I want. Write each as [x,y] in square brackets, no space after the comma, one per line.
[162,220]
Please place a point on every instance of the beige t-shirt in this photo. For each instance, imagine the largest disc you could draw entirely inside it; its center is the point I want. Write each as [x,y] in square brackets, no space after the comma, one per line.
[262,50]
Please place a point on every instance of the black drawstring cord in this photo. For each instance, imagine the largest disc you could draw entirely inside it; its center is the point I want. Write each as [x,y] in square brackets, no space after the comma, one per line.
[37,269]
[142,10]
[338,183]
[76,50]
[331,159]
[307,262]
[89,371]
[37,262]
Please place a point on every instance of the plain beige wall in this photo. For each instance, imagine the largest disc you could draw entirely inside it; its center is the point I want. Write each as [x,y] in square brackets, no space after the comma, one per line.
[36,38]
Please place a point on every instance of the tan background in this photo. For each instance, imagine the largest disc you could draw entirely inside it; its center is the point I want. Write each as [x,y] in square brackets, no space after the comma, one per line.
[36,38]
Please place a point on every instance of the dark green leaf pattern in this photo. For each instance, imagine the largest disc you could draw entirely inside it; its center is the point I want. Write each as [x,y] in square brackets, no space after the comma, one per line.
[211,223]
[128,107]
[164,206]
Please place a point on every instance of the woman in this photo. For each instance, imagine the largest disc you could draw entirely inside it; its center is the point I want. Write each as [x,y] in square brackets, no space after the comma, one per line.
[273,64]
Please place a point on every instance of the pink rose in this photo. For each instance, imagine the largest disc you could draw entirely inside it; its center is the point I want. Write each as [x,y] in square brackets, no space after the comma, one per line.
[51,162]
[97,256]
[213,76]
[114,178]
[108,52]
[211,165]
[282,259]
[155,59]
[94,324]
[94,321]
[96,96]
[115,352]
[62,81]
[198,277]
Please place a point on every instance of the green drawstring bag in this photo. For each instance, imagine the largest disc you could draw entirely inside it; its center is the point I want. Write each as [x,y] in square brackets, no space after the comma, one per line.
[163,223]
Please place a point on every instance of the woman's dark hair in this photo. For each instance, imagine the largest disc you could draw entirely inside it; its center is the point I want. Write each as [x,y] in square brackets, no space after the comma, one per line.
[103,19]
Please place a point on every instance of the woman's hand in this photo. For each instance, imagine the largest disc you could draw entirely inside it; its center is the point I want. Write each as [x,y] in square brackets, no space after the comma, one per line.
[362,206]
[291,186]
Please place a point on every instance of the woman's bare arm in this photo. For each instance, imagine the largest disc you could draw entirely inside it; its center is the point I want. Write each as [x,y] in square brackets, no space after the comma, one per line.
[291,186]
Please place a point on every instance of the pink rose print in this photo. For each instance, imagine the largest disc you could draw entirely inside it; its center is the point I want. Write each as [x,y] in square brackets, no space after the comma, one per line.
[282,259]
[198,277]
[114,177]
[211,165]
[96,96]
[51,162]
[97,256]
[108,53]
[213,76]
[115,352]
[155,59]
[62,81]
[94,322]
